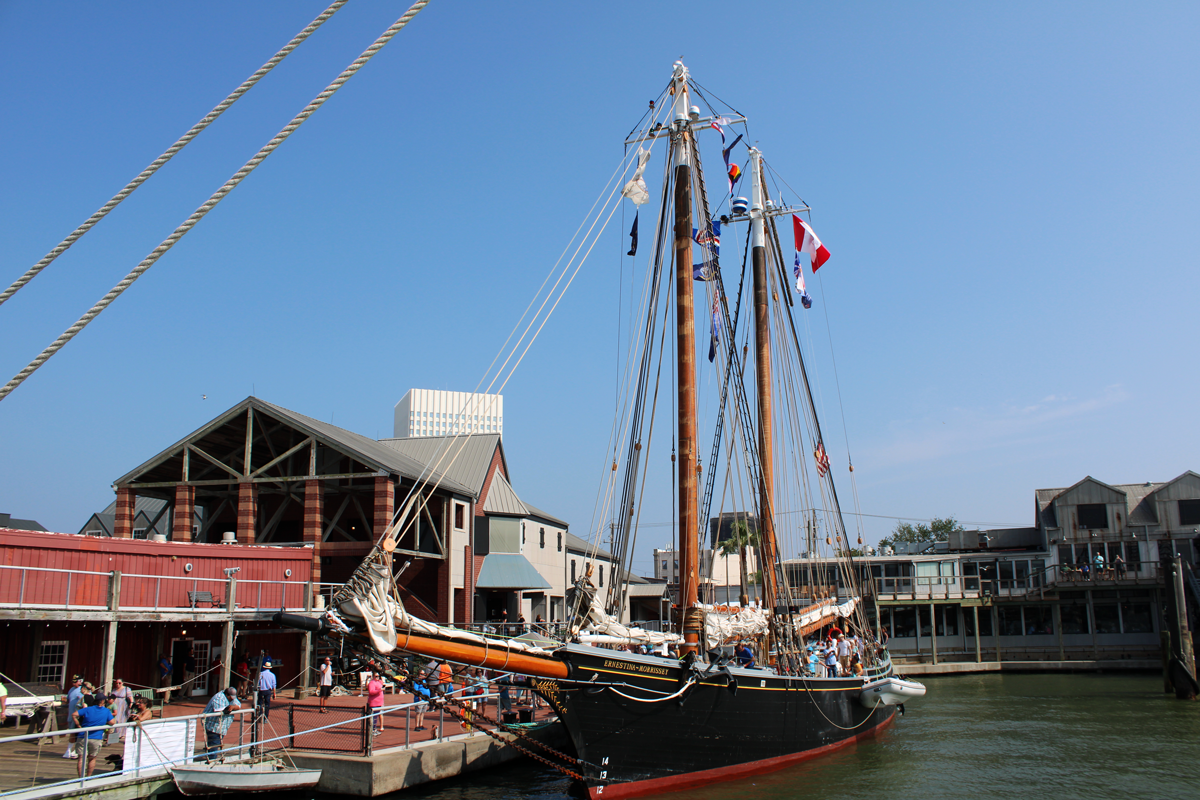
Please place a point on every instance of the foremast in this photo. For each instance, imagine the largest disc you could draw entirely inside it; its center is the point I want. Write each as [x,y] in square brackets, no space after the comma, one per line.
[687,462]
[762,372]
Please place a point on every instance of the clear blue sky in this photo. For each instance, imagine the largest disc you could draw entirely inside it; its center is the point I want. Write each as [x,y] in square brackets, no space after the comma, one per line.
[1009,193]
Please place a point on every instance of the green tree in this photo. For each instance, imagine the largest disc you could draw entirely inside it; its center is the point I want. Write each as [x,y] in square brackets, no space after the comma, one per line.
[739,539]
[937,529]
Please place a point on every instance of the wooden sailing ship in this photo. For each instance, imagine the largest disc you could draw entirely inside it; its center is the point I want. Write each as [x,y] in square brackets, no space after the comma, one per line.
[645,723]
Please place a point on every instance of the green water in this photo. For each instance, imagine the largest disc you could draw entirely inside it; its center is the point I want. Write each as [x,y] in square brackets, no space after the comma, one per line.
[971,737]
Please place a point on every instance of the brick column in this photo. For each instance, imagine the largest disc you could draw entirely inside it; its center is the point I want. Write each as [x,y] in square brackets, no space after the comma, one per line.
[247,516]
[314,523]
[443,604]
[185,513]
[385,503]
[123,528]
[467,613]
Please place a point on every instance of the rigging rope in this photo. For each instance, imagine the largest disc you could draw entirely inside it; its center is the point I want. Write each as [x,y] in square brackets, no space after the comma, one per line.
[217,197]
[171,151]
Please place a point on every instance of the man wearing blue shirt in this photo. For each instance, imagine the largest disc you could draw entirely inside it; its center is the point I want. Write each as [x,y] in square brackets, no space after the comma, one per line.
[266,689]
[215,727]
[74,695]
[90,715]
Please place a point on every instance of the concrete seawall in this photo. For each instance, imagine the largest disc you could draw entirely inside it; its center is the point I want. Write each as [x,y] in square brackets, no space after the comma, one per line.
[399,768]
[962,667]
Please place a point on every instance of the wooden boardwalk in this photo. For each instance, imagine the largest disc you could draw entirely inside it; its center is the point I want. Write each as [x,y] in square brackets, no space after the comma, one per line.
[33,763]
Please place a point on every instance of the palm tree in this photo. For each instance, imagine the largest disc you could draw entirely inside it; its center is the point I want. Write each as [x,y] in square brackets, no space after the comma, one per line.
[738,540]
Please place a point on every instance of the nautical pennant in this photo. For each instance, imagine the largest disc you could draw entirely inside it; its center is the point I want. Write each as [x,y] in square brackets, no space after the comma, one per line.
[716,329]
[807,242]
[733,171]
[804,298]
[633,238]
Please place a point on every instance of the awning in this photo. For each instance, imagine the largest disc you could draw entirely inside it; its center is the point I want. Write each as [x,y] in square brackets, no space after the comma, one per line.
[509,571]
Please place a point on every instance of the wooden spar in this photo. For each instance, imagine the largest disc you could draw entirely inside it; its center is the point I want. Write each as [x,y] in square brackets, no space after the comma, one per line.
[762,369]
[491,656]
[689,502]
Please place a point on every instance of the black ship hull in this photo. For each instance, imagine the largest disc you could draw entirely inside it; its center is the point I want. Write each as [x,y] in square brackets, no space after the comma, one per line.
[639,728]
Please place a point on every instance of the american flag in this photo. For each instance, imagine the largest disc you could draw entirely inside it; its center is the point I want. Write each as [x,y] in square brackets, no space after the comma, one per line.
[822,459]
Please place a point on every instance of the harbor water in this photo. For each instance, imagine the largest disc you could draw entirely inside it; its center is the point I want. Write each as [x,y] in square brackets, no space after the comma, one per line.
[1060,736]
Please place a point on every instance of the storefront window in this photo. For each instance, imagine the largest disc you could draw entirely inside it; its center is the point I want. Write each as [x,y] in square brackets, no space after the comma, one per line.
[985,621]
[1107,618]
[1074,619]
[904,622]
[1010,620]
[1039,620]
[1136,617]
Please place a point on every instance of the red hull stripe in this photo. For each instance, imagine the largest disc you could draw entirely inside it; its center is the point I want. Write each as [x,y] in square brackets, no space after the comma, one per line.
[690,780]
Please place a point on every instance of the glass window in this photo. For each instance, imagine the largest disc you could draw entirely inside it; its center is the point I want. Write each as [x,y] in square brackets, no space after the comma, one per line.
[1133,558]
[1074,619]
[602,575]
[1010,620]
[985,621]
[1108,619]
[904,622]
[1022,568]
[573,570]
[542,538]
[52,663]
[923,612]
[1039,620]
[1006,570]
[1092,515]
[1136,617]
[948,621]
[927,573]
[1189,512]
[560,541]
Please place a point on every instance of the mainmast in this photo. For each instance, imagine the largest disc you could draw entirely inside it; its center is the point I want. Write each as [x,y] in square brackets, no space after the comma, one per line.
[688,461]
[762,369]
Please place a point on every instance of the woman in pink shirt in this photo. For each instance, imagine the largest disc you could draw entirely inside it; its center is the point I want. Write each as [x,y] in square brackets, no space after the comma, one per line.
[375,702]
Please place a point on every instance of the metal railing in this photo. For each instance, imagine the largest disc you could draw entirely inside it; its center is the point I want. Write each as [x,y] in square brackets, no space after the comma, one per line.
[1054,576]
[250,740]
[68,589]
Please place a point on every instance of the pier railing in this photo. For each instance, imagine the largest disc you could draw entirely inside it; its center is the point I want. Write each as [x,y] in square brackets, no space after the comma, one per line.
[23,587]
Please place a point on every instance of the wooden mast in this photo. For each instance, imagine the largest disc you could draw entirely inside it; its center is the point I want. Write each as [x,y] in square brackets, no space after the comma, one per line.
[689,546]
[762,369]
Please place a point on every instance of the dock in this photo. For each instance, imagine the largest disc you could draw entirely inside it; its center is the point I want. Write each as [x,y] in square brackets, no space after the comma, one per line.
[965,667]
[338,742]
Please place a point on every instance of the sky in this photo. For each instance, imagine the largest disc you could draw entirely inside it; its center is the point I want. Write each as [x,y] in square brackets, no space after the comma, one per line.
[1009,194]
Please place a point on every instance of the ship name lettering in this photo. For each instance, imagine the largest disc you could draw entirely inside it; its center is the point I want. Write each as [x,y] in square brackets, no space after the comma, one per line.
[645,668]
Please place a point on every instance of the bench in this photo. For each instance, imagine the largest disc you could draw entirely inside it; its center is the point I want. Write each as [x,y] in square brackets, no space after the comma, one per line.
[203,597]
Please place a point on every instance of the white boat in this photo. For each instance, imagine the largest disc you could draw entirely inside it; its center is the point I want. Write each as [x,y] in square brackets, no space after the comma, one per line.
[201,779]
[890,691]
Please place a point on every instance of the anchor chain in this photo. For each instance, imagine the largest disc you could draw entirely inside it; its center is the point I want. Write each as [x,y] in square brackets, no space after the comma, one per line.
[449,705]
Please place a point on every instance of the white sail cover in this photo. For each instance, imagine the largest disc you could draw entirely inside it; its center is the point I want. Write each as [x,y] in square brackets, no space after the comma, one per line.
[600,627]
[370,605]
[722,625]
[636,189]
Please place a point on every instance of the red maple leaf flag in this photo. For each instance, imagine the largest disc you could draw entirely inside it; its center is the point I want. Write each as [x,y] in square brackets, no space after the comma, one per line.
[808,243]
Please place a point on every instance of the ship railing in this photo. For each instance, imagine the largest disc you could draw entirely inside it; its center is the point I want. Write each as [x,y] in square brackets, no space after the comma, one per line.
[25,587]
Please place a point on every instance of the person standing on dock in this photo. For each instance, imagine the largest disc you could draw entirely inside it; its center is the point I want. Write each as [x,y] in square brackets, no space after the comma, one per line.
[215,727]
[164,676]
[375,703]
[266,689]
[74,697]
[326,672]
[90,715]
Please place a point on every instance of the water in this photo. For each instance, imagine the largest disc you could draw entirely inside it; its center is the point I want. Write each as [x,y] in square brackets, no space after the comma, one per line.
[971,737]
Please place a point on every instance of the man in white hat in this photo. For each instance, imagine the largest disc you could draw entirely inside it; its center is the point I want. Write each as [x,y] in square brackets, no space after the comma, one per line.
[266,689]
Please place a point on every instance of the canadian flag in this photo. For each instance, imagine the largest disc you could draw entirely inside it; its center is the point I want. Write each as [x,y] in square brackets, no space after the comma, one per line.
[808,243]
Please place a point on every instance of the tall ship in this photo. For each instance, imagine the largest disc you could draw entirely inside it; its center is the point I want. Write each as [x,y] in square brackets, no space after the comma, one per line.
[734,689]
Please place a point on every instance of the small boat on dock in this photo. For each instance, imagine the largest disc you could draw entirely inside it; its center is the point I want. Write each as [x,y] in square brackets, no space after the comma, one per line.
[268,776]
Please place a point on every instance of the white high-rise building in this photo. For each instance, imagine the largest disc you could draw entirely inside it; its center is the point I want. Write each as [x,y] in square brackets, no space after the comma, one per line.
[433,412]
